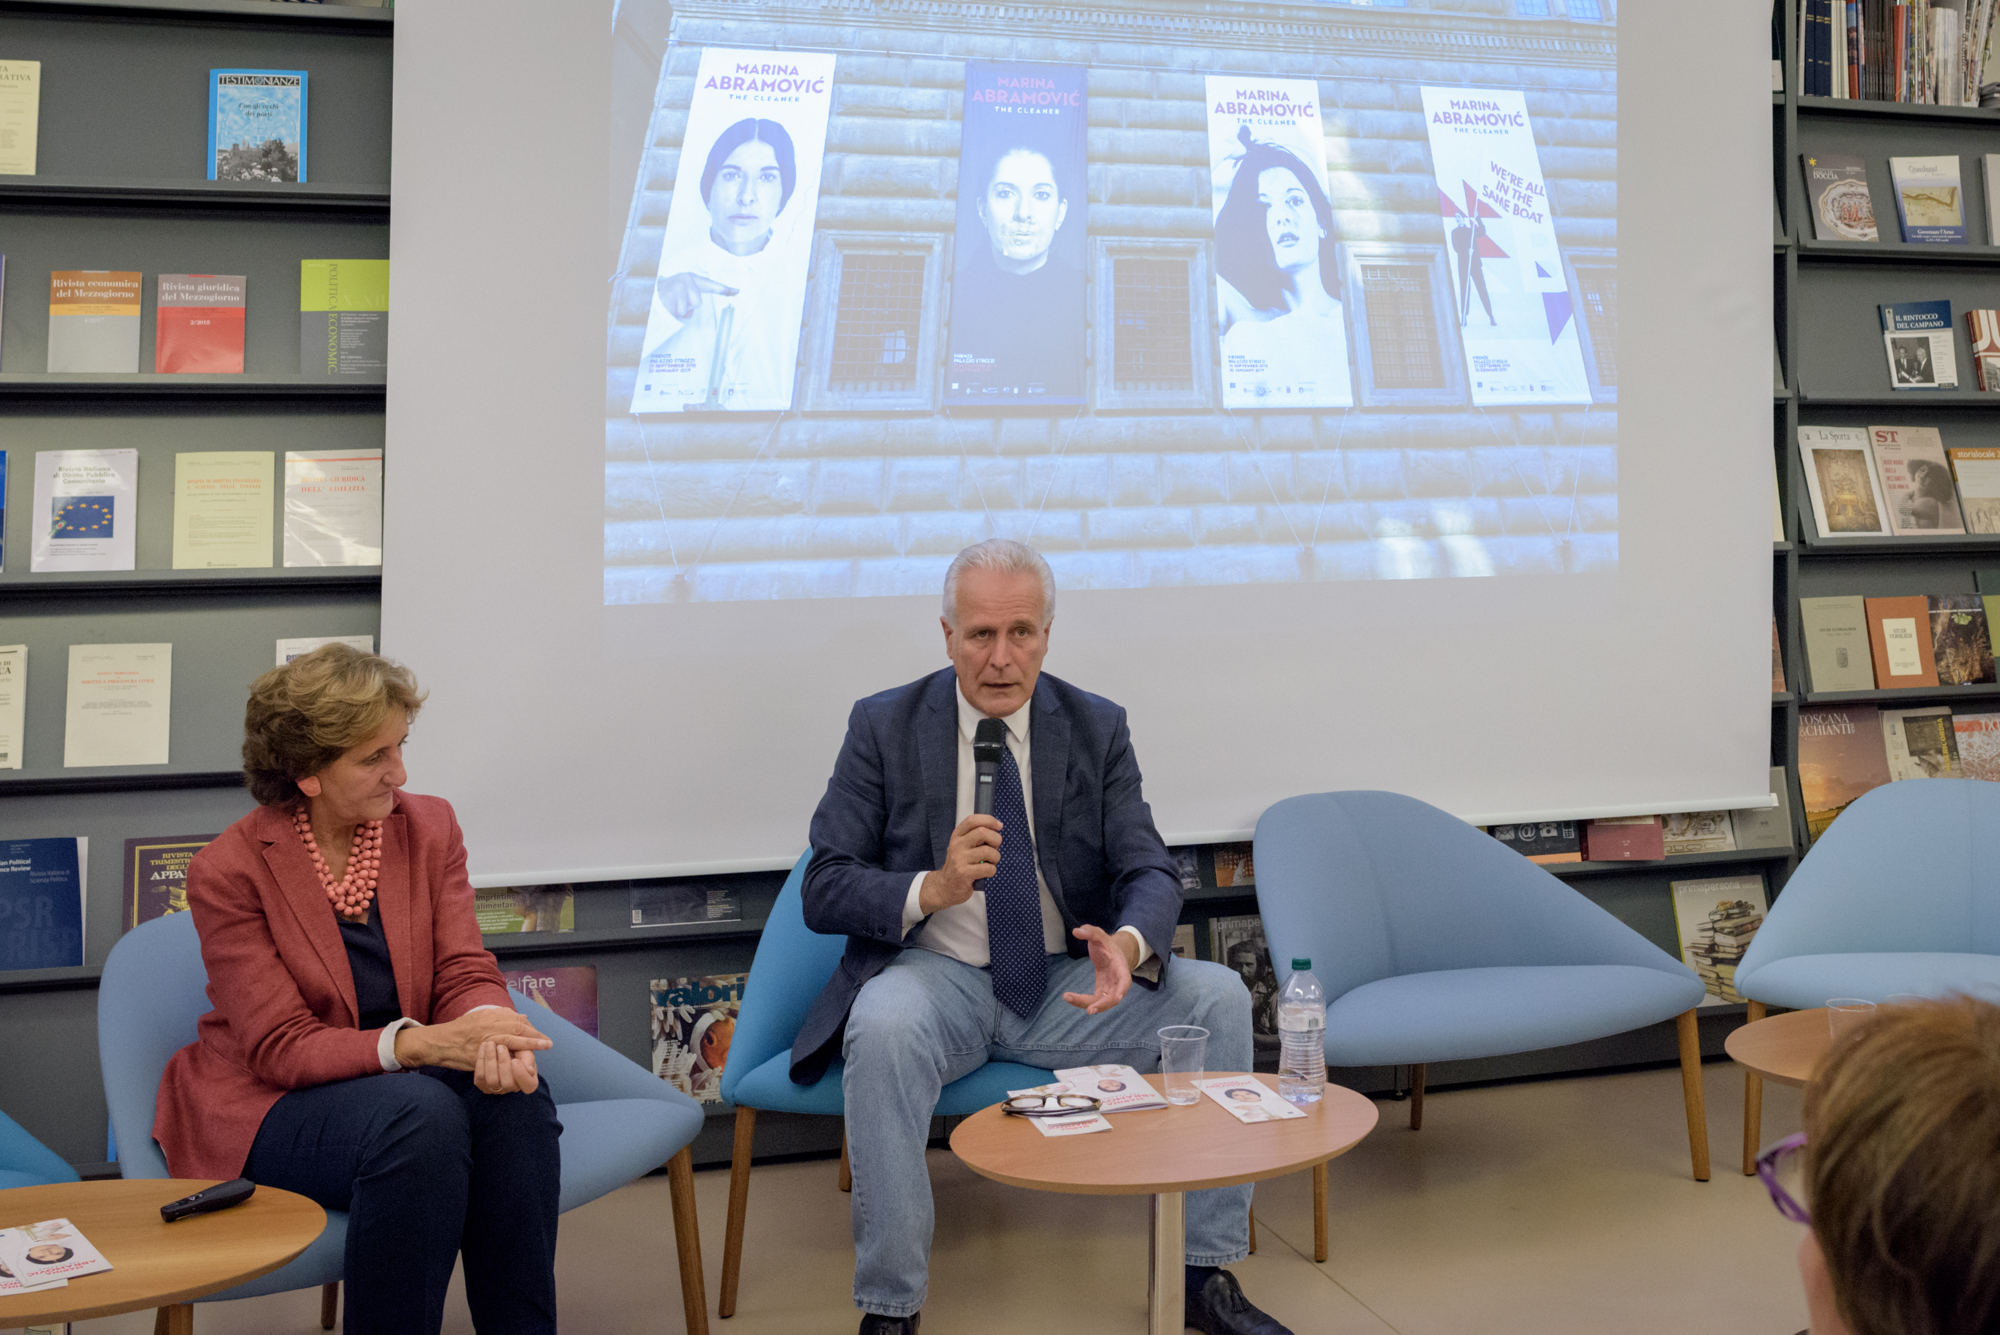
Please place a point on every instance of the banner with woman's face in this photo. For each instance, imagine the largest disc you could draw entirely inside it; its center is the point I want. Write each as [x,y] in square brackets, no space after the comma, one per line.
[729,295]
[1017,297]
[1277,285]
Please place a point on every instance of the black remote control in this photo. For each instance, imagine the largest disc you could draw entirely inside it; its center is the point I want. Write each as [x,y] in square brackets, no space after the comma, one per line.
[209,1199]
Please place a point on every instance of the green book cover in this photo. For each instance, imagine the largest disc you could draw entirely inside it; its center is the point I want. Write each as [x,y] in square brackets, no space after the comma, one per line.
[344,319]
[1836,635]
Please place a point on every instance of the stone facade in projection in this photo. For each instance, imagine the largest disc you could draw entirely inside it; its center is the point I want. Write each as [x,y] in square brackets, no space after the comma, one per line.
[868,484]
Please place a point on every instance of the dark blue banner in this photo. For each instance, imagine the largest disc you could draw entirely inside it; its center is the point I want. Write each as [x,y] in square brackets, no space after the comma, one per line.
[1017,320]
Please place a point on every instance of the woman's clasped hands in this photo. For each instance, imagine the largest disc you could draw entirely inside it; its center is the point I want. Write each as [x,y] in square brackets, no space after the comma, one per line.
[498,1046]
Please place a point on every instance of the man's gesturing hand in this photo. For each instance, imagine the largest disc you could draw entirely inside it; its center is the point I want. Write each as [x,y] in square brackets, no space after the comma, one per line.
[1113,958]
[971,857]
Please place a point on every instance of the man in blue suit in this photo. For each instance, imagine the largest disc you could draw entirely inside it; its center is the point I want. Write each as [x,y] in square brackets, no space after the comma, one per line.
[1016,936]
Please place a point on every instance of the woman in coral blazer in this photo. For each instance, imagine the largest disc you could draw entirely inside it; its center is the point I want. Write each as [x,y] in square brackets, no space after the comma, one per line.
[337,925]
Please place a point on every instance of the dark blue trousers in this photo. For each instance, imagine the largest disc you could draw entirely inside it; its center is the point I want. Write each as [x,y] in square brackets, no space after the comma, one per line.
[426,1166]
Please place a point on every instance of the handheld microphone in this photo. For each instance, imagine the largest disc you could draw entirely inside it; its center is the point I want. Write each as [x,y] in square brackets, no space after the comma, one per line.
[987,740]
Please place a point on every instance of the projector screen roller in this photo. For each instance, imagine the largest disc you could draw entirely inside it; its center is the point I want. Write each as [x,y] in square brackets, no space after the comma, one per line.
[1385,386]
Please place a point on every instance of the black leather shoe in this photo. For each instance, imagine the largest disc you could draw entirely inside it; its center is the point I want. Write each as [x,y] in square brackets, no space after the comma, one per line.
[1218,1307]
[874,1324]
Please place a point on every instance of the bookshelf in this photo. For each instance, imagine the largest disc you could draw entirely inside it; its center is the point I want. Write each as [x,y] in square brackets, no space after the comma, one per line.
[1827,293]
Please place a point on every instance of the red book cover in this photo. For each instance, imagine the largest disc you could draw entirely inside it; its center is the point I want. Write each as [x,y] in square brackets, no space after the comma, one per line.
[199,323]
[1630,840]
[1899,636]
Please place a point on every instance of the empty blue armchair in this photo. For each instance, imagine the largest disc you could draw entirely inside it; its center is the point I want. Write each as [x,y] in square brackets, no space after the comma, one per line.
[1901,894]
[26,1162]
[1437,943]
[791,965]
[619,1123]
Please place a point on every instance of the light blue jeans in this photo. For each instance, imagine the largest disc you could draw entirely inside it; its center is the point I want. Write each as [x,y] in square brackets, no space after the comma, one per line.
[928,1020]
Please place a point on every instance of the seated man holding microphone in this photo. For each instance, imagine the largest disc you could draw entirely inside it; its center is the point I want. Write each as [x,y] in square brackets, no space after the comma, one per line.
[1013,936]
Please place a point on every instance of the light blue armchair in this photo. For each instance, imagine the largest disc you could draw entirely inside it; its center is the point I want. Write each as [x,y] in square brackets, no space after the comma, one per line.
[1901,894]
[1437,943]
[619,1122]
[791,965]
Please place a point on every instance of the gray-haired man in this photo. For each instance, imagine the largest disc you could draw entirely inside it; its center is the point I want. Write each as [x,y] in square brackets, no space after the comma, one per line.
[1013,937]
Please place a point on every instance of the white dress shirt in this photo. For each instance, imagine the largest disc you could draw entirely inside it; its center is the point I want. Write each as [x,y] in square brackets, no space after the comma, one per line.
[960,930]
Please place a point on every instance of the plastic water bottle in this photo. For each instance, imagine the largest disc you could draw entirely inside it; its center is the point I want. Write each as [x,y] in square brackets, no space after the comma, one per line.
[1302,1030]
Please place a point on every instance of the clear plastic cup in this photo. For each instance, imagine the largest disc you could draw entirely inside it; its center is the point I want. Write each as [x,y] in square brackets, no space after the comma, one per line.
[1183,1050]
[1844,1015]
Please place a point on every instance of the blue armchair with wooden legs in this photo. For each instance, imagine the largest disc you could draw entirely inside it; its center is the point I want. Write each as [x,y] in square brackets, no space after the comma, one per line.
[619,1122]
[1900,895]
[1435,942]
[791,965]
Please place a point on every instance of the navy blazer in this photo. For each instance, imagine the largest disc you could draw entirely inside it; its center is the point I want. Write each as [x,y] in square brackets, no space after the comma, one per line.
[892,804]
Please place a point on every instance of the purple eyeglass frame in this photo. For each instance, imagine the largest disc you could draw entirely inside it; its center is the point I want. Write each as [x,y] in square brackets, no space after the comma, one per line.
[1767,1172]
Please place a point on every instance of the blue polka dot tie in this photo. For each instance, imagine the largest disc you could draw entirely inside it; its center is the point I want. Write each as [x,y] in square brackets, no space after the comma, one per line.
[1013,903]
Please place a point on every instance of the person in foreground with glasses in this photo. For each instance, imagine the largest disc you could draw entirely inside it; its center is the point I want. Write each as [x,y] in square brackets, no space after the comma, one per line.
[1901,1159]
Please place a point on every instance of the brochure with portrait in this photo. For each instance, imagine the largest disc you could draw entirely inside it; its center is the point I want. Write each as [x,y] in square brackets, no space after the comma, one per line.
[1248,1099]
[1118,1088]
[50,1250]
[1078,1124]
[11,1284]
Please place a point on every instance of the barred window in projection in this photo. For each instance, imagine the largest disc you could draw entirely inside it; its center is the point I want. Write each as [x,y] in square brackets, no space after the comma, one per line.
[1402,367]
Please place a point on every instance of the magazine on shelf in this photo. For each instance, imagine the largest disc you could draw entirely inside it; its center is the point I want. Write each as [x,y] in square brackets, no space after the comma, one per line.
[1961,646]
[1920,743]
[506,909]
[257,125]
[694,1020]
[1983,329]
[1238,942]
[568,990]
[1916,480]
[1249,1099]
[1119,1088]
[1929,202]
[156,875]
[1697,832]
[1840,480]
[1917,337]
[1837,192]
[1717,919]
[1840,758]
[1977,737]
[1976,469]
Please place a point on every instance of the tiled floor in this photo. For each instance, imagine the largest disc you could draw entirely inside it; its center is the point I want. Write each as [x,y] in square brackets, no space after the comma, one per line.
[1562,1205]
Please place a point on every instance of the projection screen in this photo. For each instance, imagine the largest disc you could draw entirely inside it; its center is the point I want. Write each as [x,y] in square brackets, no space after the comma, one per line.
[1384,385]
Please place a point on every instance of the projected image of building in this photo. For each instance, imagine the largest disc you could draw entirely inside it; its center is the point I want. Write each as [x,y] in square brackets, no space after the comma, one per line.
[1471,430]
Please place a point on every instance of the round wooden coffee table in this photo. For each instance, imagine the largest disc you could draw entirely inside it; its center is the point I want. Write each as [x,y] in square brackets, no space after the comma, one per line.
[156,1264]
[1164,1154]
[1786,1048]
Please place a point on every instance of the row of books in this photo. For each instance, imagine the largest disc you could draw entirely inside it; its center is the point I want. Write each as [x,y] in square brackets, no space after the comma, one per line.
[1898,481]
[86,509]
[256,122]
[118,701]
[1929,52]
[94,319]
[1883,644]
[1652,838]
[1848,750]
[1930,202]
